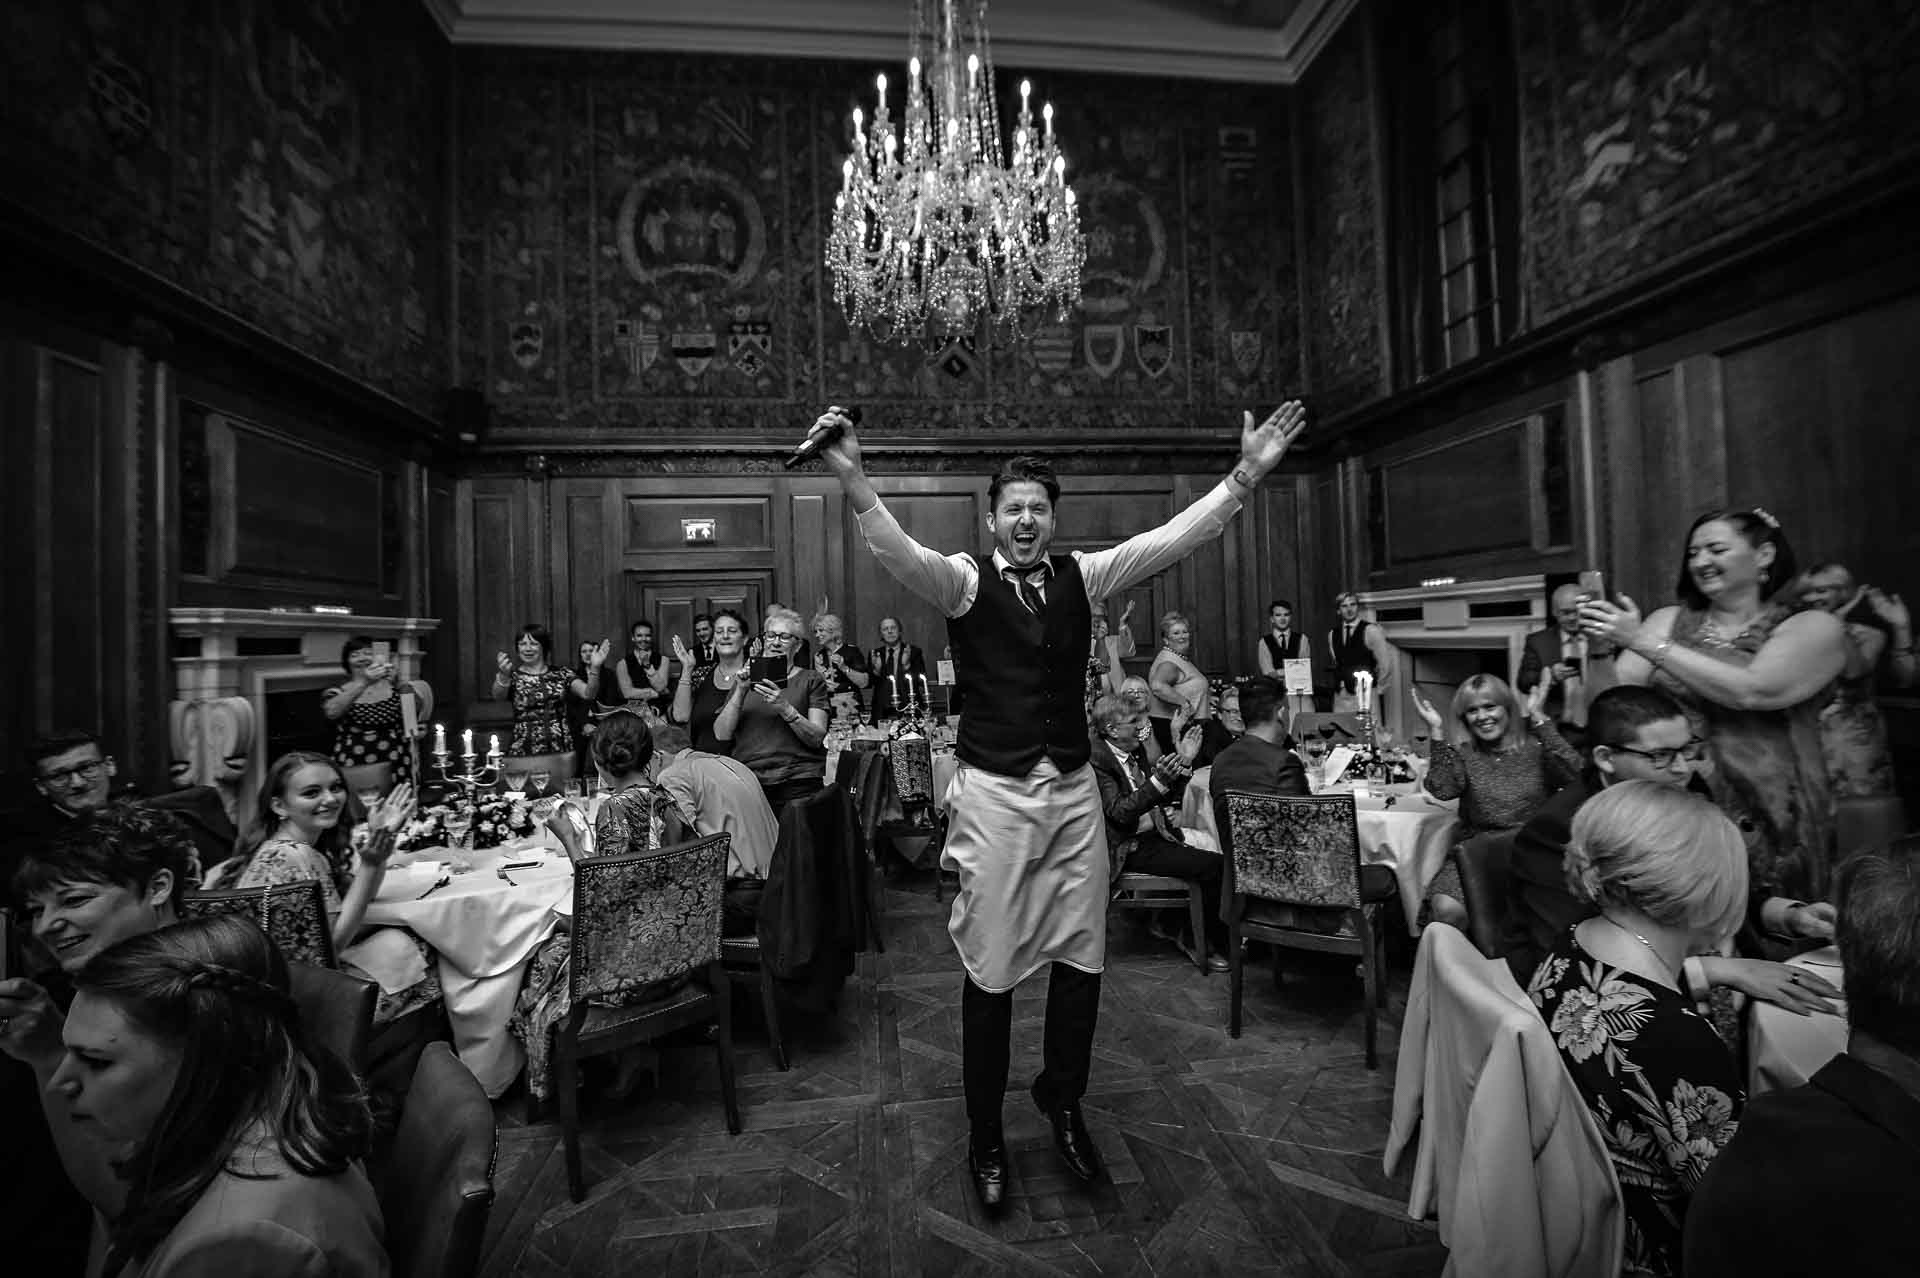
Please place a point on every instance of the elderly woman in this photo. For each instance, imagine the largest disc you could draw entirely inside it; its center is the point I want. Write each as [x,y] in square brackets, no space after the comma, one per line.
[1752,668]
[1852,732]
[1176,682]
[242,1139]
[540,689]
[367,711]
[840,665]
[778,728]
[1667,874]
[1503,759]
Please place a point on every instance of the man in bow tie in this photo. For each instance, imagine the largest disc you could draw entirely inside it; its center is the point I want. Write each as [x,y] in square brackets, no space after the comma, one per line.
[1027,834]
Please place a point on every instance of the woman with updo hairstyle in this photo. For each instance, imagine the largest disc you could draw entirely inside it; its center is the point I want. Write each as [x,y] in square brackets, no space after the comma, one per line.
[239,1137]
[1752,665]
[1666,872]
[628,820]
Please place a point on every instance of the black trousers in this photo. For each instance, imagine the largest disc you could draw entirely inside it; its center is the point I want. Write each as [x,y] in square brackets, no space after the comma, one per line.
[1154,855]
[986,1032]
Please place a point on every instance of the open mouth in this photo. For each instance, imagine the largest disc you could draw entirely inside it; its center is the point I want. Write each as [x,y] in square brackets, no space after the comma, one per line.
[61,947]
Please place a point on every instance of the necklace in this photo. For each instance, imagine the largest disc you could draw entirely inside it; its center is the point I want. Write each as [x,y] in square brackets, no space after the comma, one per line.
[1657,957]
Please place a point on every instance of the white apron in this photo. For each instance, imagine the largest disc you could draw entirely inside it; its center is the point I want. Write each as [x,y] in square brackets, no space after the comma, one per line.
[1031,853]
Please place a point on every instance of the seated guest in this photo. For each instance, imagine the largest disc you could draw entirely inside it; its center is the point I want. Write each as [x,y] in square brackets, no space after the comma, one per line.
[117,875]
[72,777]
[896,664]
[1110,647]
[840,665]
[242,1137]
[705,687]
[1222,728]
[1502,760]
[712,794]
[1666,873]
[1141,837]
[1261,760]
[628,819]
[302,830]
[779,728]
[1139,698]
[1639,734]
[1848,1140]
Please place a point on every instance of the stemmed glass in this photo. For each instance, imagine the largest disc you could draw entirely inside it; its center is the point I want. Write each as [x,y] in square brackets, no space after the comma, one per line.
[459,823]
[517,773]
[540,779]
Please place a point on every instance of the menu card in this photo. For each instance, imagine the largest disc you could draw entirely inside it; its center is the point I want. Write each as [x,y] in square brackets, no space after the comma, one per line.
[1337,761]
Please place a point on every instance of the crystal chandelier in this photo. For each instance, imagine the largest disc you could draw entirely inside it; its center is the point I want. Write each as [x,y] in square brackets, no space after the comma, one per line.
[933,229]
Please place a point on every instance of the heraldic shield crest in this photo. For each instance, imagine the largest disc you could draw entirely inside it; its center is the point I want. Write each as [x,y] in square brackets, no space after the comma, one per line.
[1153,347]
[1105,345]
[1244,344]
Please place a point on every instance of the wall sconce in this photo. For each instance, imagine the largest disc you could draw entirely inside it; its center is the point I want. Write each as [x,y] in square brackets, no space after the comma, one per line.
[697,532]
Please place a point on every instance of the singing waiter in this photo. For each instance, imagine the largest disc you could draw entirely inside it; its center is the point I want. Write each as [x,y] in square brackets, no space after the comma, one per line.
[1027,835]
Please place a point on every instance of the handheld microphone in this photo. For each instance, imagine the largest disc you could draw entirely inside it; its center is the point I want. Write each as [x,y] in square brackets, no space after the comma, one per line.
[811,446]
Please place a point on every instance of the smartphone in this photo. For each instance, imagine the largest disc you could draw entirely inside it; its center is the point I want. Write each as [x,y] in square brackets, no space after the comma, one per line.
[1593,586]
[772,669]
[382,652]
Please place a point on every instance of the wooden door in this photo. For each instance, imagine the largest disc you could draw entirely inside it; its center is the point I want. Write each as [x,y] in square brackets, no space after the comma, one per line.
[672,599]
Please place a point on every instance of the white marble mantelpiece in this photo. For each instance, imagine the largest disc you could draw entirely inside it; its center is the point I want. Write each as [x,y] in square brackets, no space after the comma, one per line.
[218,716]
[1454,615]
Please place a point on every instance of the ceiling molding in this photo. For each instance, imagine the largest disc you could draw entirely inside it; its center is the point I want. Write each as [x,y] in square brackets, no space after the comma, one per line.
[1163,38]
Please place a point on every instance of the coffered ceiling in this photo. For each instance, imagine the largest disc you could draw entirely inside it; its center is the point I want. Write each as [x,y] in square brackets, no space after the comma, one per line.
[1257,41]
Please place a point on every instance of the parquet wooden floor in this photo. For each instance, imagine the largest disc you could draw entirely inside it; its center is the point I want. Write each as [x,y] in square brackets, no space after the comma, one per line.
[1260,1156]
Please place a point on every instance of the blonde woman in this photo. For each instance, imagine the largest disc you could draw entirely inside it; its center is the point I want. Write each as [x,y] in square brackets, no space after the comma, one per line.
[1177,684]
[1667,873]
[1503,758]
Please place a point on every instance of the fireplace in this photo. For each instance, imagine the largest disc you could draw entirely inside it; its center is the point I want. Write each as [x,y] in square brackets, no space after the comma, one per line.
[247,686]
[1446,631]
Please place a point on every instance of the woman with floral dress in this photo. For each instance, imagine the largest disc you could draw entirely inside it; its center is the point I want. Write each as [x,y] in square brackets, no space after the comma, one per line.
[633,817]
[539,692]
[1667,872]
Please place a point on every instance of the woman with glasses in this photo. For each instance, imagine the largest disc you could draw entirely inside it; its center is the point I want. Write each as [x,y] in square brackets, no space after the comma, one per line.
[1752,666]
[778,727]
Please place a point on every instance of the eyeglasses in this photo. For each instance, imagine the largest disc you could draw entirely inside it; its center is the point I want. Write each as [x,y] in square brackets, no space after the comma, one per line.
[1693,751]
[88,772]
[781,635]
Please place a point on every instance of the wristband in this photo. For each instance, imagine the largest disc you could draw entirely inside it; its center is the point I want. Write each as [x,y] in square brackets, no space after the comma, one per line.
[1659,654]
[1244,478]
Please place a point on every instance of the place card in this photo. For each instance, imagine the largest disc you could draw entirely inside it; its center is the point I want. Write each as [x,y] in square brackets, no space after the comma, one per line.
[1337,762]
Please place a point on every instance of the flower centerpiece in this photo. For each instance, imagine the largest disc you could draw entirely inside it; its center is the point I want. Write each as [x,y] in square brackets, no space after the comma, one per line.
[492,819]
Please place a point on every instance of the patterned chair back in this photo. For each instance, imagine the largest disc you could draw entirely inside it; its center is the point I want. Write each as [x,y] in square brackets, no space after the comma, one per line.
[1293,850]
[293,915]
[912,760]
[646,916]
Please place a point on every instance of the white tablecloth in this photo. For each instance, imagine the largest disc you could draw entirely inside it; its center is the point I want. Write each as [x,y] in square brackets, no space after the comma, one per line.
[1412,838]
[1785,1050]
[484,931]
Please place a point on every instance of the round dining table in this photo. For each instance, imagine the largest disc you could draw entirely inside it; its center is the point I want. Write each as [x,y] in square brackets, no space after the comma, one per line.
[1785,1049]
[484,925]
[1401,827]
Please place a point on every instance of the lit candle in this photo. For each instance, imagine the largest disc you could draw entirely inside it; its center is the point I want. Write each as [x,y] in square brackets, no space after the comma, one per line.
[493,748]
[925,702]
[439,738]
[466,743]
[893,689]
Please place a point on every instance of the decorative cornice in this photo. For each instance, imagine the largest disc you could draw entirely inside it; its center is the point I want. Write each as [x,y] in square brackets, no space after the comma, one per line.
[1126,37]
[968,459]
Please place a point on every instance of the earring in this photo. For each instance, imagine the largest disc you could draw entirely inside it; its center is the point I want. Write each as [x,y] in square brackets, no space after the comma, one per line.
[1764,575]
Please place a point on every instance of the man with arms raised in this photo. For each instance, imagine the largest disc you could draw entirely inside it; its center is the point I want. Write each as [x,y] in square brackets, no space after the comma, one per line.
[1027,835]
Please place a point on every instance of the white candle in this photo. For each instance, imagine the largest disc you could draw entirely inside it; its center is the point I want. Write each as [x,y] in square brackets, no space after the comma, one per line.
[924,701]
[493,747]
[466,743]
[893,689]
[439,738]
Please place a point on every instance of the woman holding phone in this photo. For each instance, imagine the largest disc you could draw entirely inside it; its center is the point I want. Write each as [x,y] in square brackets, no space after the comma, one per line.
[369,713]
[778,725]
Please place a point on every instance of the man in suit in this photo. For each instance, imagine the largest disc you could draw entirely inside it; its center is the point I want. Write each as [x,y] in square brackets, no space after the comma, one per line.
[897,666]
[1142,835]
[1641,734]
[1561,654]
[1847,1141]
[1261,760]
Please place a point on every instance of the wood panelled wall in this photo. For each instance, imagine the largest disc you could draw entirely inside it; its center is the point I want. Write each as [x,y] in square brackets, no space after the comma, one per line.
[587,555]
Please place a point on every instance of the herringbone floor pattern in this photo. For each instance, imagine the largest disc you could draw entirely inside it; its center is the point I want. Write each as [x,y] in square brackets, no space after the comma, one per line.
[1260,1156]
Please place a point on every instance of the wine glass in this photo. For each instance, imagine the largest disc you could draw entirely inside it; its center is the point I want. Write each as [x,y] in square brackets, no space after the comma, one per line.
[517,771]
[368,796]
[540,779]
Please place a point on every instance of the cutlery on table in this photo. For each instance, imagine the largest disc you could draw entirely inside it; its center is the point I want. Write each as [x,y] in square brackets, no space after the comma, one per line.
[438,883]
[515,865]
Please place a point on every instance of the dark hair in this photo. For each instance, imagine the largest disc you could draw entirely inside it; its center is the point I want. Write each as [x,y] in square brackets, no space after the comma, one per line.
[1261,699]
[738,620]
[353,644]
[1023,469]
[336,844]
[1878,931]
[540,636]
[216,988]
[1760,529]
[635,625]
[123,844]
[1616,716]
[699,617]
[59,743]
[1280,603]
[622,743]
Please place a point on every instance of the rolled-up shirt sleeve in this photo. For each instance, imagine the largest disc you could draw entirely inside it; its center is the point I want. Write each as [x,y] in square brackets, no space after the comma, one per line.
[948,582]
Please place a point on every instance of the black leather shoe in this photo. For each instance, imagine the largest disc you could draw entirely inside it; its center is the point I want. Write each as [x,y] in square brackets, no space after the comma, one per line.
[988,1163]
[1070,1137]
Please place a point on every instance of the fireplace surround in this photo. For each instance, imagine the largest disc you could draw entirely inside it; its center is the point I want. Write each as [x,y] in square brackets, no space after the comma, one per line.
[1443,632]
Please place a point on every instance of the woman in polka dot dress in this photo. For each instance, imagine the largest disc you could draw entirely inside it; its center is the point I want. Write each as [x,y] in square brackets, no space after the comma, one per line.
[370,726]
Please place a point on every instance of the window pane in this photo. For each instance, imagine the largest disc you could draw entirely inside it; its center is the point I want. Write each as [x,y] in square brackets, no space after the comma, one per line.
[1456,241]
[1460,294]
[1456,190]
[1449,93]
[1453,139]
[1462,344]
